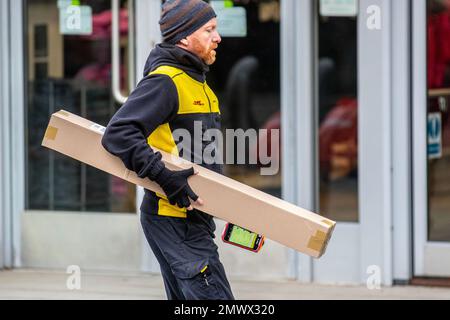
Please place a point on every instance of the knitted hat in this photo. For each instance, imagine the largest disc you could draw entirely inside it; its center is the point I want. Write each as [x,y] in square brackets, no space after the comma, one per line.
[181,18]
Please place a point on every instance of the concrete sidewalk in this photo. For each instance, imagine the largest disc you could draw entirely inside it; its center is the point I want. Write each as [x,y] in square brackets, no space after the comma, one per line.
[47,284]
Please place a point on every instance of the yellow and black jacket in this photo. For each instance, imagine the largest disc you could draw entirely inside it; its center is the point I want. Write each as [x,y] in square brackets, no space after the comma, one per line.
[172,95]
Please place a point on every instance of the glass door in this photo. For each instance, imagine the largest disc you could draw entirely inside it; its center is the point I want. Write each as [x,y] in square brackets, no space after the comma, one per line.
[337,138]
[70,67]
[81,215]
[432,236]
[338,117]
[438,121]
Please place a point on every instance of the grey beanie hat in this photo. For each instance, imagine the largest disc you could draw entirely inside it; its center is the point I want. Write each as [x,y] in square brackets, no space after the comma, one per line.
[181,18]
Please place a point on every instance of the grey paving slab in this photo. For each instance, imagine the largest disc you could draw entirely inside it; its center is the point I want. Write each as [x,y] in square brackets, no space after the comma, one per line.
[48,284]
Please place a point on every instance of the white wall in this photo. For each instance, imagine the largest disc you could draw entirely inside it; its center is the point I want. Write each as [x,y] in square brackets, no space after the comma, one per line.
[91,241]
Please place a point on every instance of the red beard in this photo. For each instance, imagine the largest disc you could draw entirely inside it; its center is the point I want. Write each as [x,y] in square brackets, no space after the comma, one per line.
[207,55]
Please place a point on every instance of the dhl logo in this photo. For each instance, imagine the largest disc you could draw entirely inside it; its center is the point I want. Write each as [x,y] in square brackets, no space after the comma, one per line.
[198,103]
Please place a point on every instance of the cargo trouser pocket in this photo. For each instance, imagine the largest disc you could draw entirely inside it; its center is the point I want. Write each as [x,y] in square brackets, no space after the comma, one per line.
[197,281]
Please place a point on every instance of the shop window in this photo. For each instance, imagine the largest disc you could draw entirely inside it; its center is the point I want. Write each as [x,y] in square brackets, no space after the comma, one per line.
[438,66]
[40,41]
[246,78]
[69,67]
[338,118]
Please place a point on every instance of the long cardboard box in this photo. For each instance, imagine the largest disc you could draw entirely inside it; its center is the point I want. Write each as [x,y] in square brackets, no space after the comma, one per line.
[223,197]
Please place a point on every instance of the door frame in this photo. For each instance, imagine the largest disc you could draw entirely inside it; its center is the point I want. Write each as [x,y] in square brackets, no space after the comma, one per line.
[419,136]
[12,135]
[299,129]
[21,219]
[430,258]
[341,264]
[297,116]
[4,97]
[383,69]
[402,217]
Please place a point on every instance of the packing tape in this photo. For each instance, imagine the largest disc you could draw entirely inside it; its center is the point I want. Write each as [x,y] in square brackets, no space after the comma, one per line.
[63,113]
[328,222]
[51,133]
[318,241]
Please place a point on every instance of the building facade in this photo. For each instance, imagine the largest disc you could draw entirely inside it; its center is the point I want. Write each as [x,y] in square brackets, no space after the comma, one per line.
[358,89]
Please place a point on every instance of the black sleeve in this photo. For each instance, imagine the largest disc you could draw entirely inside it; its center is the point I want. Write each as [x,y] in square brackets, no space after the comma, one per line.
[152,103]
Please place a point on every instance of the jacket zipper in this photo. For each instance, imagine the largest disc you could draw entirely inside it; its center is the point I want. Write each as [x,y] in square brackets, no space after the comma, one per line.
[209,101]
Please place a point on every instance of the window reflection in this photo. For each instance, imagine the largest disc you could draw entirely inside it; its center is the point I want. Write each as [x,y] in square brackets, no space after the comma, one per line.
[71,72]
[338,125]
[246,79]
[438,67]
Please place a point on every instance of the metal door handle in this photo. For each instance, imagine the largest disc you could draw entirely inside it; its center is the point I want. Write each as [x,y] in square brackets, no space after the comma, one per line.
[115,36]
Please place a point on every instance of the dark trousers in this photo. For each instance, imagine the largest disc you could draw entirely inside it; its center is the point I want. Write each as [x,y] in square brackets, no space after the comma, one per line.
[188,258]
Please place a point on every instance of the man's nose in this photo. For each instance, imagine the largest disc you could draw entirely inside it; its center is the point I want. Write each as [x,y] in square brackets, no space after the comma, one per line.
[217,38]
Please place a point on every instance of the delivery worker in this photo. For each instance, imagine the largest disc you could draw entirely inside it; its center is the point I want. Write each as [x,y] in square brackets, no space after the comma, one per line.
[174,95]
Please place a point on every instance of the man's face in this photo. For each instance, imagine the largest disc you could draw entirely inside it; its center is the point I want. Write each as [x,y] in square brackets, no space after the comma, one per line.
[205,41]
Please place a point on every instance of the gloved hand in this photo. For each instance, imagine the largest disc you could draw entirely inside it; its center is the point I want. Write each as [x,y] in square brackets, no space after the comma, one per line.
[176,187]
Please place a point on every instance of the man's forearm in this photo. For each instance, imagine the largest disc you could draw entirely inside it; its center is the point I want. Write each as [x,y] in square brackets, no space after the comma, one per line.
[131,147]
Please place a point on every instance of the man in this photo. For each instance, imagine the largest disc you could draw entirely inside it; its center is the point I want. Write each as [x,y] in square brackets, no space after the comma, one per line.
[174,95]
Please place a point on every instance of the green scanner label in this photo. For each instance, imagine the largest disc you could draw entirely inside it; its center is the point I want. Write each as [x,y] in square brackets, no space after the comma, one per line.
[243,237]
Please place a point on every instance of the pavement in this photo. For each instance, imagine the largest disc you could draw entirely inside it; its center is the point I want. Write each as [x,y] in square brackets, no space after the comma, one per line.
[27,284]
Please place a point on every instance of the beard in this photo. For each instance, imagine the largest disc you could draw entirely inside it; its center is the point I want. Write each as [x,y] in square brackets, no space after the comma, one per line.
[208,55]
